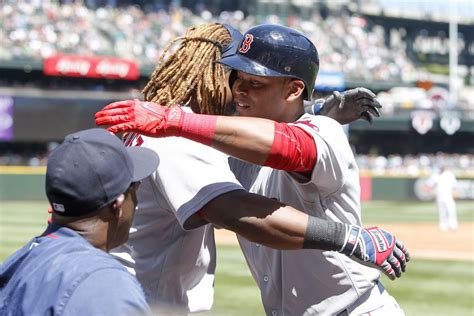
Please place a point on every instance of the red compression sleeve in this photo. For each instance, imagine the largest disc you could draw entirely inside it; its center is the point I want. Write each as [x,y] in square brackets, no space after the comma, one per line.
[293,149]
[199,127]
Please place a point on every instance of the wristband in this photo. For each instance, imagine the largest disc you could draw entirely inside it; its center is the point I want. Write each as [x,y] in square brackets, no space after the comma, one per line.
[324,234]
[199,127]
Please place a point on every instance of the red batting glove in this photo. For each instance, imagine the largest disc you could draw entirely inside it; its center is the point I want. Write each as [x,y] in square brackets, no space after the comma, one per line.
[146,118]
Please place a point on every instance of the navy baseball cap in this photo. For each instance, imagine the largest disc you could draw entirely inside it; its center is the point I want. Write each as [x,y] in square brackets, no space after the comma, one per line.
[91,168]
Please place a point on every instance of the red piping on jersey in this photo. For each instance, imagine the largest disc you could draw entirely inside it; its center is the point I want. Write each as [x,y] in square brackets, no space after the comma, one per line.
[51,235]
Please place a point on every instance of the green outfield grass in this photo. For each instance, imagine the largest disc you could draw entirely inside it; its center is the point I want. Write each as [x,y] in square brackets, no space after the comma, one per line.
[430,287]
[409,211]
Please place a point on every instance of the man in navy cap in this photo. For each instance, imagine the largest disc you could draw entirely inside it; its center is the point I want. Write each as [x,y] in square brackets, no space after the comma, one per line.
[91,183]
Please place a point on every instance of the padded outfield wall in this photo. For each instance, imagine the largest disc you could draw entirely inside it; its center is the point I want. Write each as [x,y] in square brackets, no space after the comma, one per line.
[27,183]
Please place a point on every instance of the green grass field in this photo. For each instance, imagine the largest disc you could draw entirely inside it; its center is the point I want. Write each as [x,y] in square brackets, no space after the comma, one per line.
[430,287]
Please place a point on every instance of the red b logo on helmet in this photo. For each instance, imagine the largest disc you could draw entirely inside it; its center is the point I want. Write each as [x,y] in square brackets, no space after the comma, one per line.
[246,43]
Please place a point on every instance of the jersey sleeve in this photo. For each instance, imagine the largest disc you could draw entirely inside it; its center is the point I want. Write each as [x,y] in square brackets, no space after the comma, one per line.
[189,176]
[333,150]
[105,292]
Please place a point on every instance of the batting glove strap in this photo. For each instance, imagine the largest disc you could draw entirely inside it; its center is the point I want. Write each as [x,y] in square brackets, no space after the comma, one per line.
[352,240]
[373,244]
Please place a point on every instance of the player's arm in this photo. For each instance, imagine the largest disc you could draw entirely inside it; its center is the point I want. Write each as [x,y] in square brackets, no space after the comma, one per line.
[256,140]
[348,106]
[276,225]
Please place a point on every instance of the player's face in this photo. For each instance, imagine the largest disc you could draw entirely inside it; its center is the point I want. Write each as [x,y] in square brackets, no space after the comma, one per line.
[263,97]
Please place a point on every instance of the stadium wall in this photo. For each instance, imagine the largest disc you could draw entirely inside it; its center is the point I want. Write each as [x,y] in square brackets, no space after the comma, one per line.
[27,183]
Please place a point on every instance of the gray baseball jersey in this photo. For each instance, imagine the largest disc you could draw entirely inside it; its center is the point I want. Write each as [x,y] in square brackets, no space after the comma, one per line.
[318,282]
[176,267]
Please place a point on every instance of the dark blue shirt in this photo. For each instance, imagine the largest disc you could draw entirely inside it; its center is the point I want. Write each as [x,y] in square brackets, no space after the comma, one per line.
[61,273]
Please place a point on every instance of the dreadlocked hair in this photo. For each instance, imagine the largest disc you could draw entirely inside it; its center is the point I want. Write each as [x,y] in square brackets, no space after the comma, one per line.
[191,73]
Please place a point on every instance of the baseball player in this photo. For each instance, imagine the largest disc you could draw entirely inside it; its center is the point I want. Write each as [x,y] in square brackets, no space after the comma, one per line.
[66,270]
[308,164]
[445,185]
[176,267]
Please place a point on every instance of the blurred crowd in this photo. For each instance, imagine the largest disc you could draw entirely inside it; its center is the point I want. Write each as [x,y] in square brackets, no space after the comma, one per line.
[435,99]
[348,44]
[39,29]
[415,165]
[14,159]
[26,155]
[391,165]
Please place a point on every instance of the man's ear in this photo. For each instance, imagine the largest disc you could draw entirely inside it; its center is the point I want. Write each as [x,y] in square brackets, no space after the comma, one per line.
[295,89]
[117,205]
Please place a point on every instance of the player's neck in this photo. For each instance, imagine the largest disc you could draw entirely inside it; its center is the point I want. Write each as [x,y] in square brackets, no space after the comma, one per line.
[294,113]
[92,229]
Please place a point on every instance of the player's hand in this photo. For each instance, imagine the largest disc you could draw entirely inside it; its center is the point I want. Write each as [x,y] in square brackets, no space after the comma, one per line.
[351,105]
[376,248]
[142,117]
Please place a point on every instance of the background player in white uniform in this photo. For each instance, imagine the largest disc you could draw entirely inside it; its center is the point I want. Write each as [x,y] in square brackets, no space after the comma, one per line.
[445,187]
[347,280]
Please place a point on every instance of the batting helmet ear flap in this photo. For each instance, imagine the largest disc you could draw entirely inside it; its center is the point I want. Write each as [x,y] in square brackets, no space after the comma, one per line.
[234,44]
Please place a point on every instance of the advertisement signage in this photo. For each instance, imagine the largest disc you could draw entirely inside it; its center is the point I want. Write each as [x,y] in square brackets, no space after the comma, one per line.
[91,67]
[6,118]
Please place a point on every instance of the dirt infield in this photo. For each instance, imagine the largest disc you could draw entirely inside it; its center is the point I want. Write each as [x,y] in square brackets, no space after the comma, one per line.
[424,240]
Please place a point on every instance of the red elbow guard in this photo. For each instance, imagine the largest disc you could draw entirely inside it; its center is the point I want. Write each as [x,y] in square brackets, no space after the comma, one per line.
[293,149]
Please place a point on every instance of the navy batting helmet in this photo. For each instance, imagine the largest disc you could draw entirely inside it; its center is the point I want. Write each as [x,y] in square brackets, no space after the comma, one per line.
[236,39]
[273,50]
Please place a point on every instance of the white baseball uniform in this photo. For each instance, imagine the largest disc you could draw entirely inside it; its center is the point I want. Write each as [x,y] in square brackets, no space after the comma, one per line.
[445,184]
[307,282]
[176,267]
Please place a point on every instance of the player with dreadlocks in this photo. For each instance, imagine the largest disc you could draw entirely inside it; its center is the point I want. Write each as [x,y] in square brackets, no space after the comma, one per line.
[171,246]
[191,74]
[176,267]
